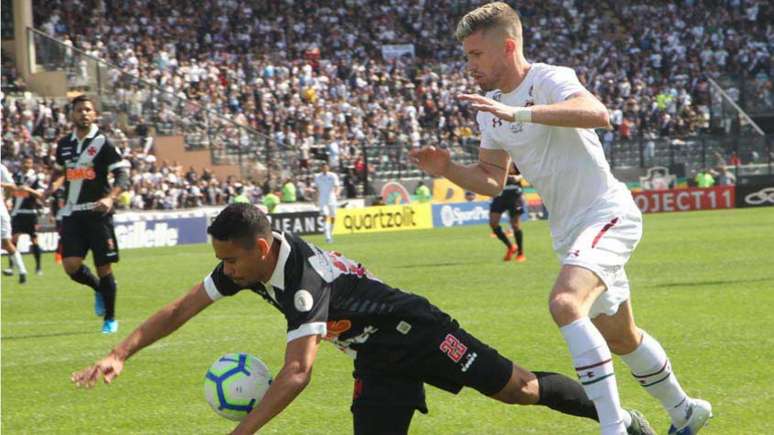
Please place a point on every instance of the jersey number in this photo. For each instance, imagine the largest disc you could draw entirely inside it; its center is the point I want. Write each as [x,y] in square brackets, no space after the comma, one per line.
[453,348]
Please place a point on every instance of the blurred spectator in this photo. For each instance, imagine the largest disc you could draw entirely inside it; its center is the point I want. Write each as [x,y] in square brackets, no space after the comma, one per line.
[289,191]
[704,179]
[724,176]
[270,201]
[423,193]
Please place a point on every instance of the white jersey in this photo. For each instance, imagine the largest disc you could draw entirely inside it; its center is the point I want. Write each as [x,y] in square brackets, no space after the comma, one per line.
[327,185]
[5,218]
[567,166]
[5,177]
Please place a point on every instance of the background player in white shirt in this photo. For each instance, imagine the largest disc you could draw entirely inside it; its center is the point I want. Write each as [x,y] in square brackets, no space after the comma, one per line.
[6,181]
[542,117]
[328,188]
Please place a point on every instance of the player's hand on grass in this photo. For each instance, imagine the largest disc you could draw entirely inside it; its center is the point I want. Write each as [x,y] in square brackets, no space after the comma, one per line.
[108,368]
[484,104]
[104,205]
[434,161]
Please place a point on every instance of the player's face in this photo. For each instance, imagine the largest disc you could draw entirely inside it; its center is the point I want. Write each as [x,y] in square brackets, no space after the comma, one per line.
[240,264]
[486,55]
[27,164]
[84,114]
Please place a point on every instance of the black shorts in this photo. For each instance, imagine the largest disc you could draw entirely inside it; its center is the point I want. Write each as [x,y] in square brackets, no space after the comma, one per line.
[501,205]
[24,224]
[83,231]
[450,360]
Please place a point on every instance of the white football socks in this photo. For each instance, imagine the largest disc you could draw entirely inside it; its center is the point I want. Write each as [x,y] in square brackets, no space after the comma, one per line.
[327,230]
[651,367]
[19,262]
[594,366]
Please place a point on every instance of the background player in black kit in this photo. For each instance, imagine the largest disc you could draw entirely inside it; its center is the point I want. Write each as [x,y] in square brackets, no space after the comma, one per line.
[85,158]
[510,201]
[399,341]
[27,208]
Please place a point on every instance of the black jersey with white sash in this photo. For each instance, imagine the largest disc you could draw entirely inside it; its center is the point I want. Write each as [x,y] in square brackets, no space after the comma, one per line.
[23,202]
[86,165]
[321,292]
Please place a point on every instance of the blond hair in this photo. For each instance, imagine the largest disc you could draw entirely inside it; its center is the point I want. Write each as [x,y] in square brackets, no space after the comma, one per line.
[497,15]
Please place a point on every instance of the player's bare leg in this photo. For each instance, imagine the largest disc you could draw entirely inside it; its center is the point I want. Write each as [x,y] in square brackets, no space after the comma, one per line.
[553,390]
[650,366]
[494,223]
[574,292]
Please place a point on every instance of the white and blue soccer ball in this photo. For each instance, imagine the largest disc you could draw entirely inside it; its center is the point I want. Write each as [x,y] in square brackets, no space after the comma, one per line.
[235,383]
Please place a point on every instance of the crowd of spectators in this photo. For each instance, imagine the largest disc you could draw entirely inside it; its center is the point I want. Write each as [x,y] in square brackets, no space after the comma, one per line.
[311,75]
[32,127]
[308,73]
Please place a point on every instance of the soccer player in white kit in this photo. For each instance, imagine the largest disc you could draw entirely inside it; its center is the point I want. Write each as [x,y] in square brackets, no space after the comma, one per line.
[7,183]
[542,117]
[328,187]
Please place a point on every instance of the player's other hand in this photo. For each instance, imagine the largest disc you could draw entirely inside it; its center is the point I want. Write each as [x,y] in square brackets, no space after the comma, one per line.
[108,368]
[484,104]
[104,205]
[434,161]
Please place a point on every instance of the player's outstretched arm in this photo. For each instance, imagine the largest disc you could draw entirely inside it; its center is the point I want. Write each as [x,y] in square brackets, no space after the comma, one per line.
[579,110]
[290,381]
[486,177]
[158,326]
[57,179]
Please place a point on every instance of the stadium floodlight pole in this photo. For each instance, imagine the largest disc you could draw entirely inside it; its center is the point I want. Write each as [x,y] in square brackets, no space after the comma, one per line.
[744,114]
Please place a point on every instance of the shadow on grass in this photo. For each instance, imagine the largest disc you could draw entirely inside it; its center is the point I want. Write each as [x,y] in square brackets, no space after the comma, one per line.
[421,265]
[53,334]
[707,283]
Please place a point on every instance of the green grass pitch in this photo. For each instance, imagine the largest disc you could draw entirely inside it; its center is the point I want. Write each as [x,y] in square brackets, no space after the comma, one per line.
[703,284]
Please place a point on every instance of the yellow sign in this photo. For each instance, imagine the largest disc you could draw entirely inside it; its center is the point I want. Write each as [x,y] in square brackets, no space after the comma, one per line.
[383,218]
[446,191]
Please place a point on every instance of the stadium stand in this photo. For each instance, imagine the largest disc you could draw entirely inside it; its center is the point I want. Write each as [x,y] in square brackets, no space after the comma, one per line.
[310,78]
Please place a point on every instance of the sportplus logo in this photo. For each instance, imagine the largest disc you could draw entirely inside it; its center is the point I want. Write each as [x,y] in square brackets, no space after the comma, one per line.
[451,215]
[763,196]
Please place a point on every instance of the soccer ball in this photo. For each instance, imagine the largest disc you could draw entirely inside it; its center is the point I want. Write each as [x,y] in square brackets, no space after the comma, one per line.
[235,383]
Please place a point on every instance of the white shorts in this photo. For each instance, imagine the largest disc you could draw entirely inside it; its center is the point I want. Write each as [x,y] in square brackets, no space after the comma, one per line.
[5,223]
[328,210]
[603,244]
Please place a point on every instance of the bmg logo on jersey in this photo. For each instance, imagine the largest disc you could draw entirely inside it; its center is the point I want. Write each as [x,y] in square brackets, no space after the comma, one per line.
[74,174]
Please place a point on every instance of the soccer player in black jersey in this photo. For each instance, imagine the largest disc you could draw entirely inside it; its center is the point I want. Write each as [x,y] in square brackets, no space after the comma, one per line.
[84,160]
[26,208]
[399,341]
[509,200]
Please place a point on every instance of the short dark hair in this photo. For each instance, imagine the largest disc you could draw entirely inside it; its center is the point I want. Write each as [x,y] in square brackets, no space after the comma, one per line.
[83,98]
[240,222]
[497,15]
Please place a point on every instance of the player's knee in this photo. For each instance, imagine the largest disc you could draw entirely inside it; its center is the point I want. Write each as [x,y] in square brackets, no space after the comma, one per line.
[104,270]
[522,389]
[564,307]
[70,267]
